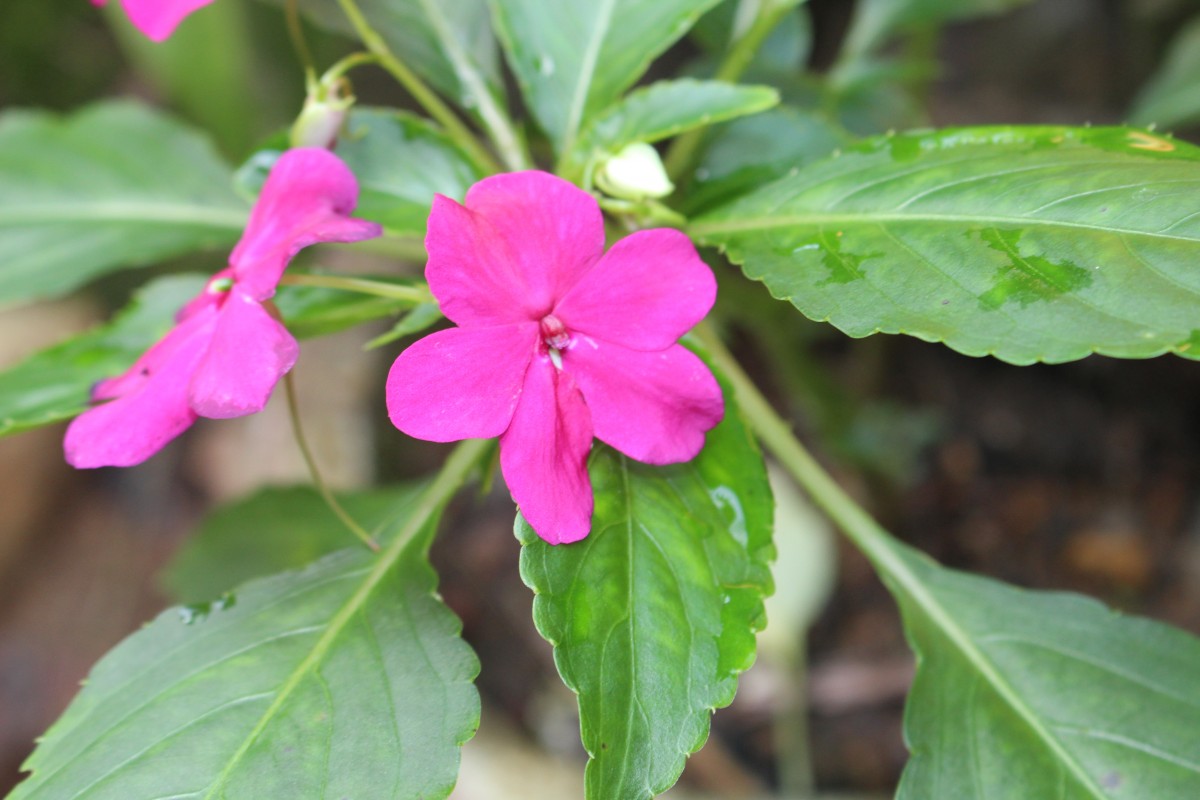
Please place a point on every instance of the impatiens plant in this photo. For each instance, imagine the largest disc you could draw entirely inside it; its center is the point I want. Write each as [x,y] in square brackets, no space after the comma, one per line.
[562,209]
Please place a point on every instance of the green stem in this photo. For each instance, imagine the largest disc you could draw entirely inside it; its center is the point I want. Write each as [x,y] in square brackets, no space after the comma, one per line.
[289,386]
[416,294]
[681,156]
[777,437]
[429,100]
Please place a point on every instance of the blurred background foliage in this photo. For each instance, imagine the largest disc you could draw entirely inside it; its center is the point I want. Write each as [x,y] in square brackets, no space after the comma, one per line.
[1082,476]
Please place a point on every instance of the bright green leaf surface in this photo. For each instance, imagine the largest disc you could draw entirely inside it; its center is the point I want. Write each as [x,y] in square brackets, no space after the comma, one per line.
[337,681]
[54,384]
[668,108]
[401,161]
[1031,244]
[449,42]
[1172,97]
[1023,694]
[573,58]
[653,615]
[274,530]
[113,185]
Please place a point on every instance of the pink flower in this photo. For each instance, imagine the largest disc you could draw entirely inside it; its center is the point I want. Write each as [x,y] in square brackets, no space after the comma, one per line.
[157,18]
[226,352]
[557,342]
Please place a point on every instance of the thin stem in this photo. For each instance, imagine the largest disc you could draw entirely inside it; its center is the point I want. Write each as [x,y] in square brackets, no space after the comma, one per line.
[429,100]
[416,294]
[777,437]
[298,431]
[296,34]
[681,156]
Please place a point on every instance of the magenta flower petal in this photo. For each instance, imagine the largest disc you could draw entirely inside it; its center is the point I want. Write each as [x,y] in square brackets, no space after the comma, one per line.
[543,455]
[247,355]
[307,199]
[157,18]
[649,289]
[460,383]
[151,409]
[652,406]
[518,244]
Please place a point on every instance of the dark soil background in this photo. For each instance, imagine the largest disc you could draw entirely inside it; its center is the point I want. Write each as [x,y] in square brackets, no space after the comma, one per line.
[1082,477]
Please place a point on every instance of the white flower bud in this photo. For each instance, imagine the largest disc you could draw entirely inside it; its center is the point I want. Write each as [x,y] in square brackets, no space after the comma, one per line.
[634,173]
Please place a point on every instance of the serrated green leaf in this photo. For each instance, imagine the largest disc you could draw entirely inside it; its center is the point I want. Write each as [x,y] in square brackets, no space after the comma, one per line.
[1030,244]
[274,530]
[54,384]
[1023,694]
[114,185]
[448,42]
[573,58]
[747,153]
[668,108]
[347,679]
[653,615]
[1172,95]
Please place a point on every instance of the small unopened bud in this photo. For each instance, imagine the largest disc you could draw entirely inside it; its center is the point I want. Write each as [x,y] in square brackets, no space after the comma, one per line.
[634,173]
[321,119]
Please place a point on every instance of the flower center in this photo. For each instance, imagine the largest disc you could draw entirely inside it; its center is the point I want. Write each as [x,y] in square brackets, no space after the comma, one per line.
[554,333]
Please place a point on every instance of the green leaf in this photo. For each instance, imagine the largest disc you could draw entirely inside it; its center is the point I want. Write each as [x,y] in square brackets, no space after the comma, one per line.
[448,42]
[653,615]
[785,50]
[668,108]
[1030,244]
[573,58]
[1172,96]
[401,161]
[747,153]
[54,384]
[1023,694]
[275,530]
[114,185]
[347,679]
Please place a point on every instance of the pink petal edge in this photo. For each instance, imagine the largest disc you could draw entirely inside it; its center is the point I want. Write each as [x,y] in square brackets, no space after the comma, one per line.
[159,18]
[543,455]
[460,383]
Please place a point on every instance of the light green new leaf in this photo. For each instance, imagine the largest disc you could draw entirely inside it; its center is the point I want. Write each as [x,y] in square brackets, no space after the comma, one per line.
[274,530]
[114,185]
[1172,96]
[54,384]
[448,42]
[653,615]
[573,58]
[1023,694]
[347,679]
[1030,244]
[668,108]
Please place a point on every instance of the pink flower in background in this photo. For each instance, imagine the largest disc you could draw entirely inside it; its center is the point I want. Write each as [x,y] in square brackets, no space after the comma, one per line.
[157,18]
[226,352]
[557,342]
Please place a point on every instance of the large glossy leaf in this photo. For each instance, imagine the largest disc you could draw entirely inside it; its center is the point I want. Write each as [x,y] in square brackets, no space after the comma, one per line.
[668,108]
[653,615]
[111,186]
[1023,694]
[573,58]
[448,42]
[1172,96]
[1030,244]
[347,679]
[277,529]
[55,383]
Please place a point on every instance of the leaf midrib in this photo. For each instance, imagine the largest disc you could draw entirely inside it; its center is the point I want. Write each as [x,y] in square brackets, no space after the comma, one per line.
[131,212]
[587,68]
[702,229]
[894,566]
